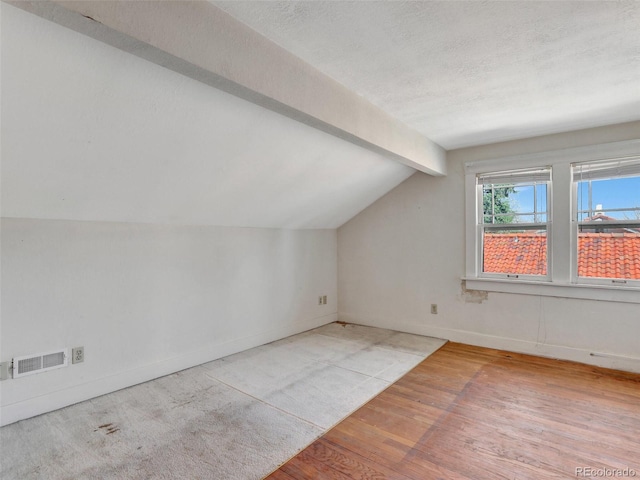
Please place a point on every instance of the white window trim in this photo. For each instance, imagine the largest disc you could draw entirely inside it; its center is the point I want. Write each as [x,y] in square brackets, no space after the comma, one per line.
[562,282]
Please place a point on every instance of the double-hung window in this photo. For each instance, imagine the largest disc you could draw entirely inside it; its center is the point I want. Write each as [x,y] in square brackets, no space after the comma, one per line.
[606,227]
[562,223]
[514,223]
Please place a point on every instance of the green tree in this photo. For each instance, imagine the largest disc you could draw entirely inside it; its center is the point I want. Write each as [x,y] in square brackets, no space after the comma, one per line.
[497,206]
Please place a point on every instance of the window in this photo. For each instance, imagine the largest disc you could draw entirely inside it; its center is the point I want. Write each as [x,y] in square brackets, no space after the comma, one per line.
[607,221]
[563,223]
[513,223]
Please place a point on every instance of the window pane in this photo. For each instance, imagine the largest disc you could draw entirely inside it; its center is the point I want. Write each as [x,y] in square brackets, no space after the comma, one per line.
[606,249]
[609,199]
[613,254]
[530,218]
[524,198]
[518,253]
[515,203]
[497,206]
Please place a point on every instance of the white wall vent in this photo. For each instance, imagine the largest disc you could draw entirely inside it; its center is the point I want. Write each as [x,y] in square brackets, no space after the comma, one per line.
[40,362]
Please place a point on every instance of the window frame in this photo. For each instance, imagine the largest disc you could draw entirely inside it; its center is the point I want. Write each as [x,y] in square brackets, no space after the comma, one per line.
[562,243]
[482,227]
[576,223]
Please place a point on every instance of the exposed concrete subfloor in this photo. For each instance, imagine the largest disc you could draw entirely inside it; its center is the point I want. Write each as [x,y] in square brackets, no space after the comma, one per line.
[238,417]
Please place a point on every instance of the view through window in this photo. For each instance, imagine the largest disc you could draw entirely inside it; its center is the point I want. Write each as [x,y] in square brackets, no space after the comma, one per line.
[514,222]
[608,220]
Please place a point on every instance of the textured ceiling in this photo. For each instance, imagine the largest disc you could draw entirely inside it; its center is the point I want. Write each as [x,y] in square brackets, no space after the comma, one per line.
[470,73]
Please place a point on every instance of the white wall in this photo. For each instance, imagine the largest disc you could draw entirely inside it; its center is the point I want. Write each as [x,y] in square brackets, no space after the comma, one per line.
[148,300]
[124,190]
[407,251]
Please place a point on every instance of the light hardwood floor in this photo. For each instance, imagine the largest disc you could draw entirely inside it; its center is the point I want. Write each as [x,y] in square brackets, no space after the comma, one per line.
[474,413]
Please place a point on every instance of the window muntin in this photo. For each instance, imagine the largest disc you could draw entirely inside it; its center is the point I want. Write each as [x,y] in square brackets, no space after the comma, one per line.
[607,218]
[513,223]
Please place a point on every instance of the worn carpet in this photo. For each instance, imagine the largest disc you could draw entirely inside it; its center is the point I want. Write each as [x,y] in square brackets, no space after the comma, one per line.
[238,417]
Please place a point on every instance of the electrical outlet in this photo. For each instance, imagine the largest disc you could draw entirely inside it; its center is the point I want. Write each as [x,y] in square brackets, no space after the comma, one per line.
[320,300]
[434,308]
[324,299]
[77,355]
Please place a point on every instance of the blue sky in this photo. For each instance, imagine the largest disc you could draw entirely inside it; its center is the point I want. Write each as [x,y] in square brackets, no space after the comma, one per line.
[617,193]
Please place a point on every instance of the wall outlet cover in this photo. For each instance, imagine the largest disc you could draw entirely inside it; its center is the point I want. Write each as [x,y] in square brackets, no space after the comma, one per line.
[77,355]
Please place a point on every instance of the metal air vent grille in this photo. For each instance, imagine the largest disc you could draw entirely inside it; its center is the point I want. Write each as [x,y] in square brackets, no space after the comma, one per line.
[40,362]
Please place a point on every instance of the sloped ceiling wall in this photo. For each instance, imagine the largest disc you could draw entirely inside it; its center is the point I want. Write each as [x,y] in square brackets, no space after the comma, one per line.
[93,133]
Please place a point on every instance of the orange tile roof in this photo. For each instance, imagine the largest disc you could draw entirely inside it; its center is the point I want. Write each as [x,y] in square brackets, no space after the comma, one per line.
[606,255]
[525,254]
[609,255]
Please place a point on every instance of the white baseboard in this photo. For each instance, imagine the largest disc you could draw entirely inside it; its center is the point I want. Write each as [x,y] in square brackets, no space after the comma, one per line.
[101,386]
[600,359]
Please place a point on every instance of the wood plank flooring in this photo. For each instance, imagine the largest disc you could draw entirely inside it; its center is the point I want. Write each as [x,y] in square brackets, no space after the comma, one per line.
[475,413]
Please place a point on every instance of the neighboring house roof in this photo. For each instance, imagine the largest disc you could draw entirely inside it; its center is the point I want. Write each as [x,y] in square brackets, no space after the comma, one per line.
[524,253]
[601,217]
[606,255]
[609,255]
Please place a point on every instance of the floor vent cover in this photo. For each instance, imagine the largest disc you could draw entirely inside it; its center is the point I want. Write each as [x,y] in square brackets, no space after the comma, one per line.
[40,362]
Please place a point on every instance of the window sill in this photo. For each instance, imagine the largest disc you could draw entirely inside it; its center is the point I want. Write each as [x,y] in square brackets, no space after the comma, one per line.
[604,293]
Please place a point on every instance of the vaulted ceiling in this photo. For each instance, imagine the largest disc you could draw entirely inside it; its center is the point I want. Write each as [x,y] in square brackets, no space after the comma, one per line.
[286,114]
[92,133]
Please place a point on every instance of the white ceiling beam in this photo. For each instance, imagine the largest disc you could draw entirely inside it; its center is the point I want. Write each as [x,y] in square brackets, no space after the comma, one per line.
[199,40]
